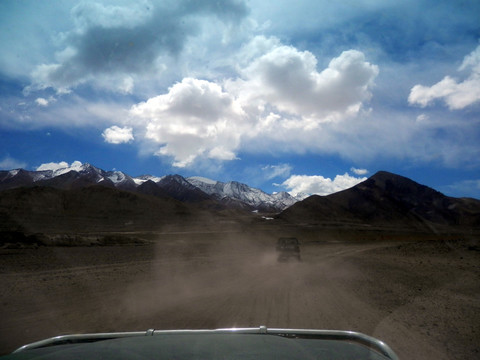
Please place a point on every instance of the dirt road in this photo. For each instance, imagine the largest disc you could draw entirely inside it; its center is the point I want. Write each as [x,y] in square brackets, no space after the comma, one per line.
[408,295]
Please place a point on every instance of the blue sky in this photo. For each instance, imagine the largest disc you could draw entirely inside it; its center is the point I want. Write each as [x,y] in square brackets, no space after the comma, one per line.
[304,96]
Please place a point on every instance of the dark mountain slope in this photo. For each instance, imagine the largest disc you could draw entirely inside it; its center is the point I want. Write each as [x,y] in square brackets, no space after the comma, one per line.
[386,199]
[152,189]
[9,181]
[179,188]
[93,208]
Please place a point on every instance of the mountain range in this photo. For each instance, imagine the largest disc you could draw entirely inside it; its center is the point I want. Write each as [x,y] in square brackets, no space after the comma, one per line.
[190,190]
[84,198]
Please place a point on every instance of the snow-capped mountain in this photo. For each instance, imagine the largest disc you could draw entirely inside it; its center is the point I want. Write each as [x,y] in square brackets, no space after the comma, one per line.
[194,189]
[236,191]
[73,176]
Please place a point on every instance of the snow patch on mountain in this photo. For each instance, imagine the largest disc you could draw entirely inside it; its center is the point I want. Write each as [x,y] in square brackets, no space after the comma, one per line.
[139,180]
[242,192]
[51,170]
[42,175]
[120,179]
[202,180]
[117,177]
[12,173]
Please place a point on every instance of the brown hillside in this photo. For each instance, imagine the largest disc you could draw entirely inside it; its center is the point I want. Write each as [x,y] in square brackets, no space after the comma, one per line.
[94,208]
[387,200]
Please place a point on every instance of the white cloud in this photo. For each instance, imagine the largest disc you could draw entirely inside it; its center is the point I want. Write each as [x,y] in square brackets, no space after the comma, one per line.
[52,166]
[472,60]
[273,171]
[9,163]
[195,118]
[287,80]
[254,49]
[456,94]
[422,118]
[118,135]
[41,101]
[65,112]
[317,184]
[359,171]
[280,97]
[57,166]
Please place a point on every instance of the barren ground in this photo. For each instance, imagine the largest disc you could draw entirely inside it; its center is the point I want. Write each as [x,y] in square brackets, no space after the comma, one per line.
[422,297]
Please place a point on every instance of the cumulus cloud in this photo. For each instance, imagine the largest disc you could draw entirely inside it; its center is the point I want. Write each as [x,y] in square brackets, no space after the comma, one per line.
[57,166]
[288,80]
[118,135]
[319,185]
[359,171]
[456,94]
[8,163]
[109,43]
[195,118]
[277,96]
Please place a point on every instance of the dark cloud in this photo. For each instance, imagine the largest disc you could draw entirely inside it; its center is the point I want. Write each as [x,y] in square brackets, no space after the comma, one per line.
[408,31]
[107,45]
[402,31]
[231,10]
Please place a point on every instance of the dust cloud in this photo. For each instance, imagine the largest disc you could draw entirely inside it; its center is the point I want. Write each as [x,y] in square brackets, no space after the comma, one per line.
[200,282]
[212,279]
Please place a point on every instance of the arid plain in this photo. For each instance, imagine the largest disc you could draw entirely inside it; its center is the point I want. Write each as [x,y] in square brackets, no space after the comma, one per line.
[416,292]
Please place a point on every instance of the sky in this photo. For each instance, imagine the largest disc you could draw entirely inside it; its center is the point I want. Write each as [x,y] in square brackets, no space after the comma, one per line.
[310,96]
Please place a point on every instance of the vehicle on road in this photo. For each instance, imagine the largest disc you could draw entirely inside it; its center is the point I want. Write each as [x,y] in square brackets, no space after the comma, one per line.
[288,248]
[236,343]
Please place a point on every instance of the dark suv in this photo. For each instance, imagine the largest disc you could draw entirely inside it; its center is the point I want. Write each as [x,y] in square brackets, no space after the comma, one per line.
[288,248]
